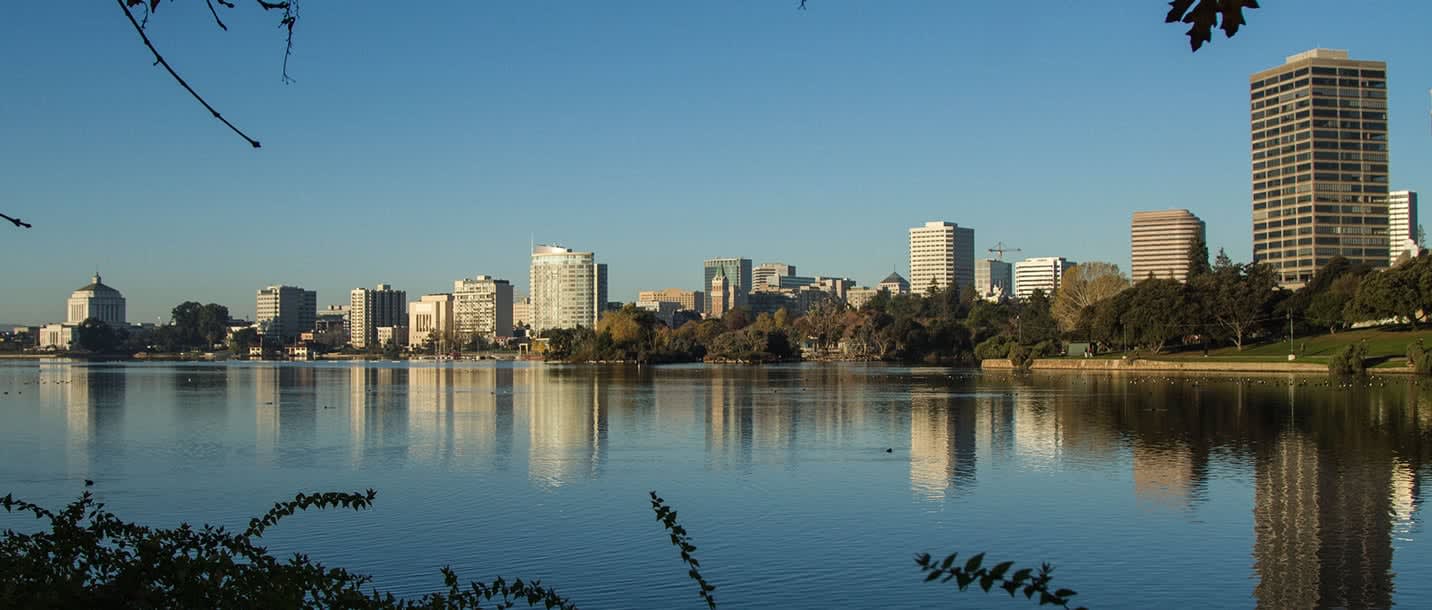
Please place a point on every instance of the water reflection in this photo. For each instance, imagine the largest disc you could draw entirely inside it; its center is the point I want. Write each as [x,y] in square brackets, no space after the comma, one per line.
[567,413]
[1331,478]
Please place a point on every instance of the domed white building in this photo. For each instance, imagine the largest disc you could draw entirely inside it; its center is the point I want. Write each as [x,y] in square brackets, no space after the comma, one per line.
[98,301]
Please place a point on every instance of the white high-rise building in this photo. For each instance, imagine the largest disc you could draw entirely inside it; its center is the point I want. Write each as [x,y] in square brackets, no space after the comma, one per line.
[370,308]
[1159,243]
[285,311]
[483,307]
[942,254]
[98,301]
[431,316]
[566,287]
[1039,273]
[1401,223]
[994,279]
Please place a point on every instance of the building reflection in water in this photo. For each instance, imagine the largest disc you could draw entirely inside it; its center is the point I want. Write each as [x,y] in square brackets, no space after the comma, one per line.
[285,413]
[93,399]
[567,418]
[942,442]
[377,414]
[460,414]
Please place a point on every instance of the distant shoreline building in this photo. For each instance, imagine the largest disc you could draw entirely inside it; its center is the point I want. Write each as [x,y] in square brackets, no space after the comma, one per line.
[942,255]
[1159,243]
[1039,273]
[895,284]
[692,300]
[994,279]
[1320,160]
[372,308]
[98,301]
[567,288]
[431,316]
[285,312]
[483,307]
[738,280]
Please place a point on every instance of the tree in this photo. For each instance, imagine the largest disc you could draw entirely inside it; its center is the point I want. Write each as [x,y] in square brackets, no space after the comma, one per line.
[1387,294]
[1236,297]
[1082,286]
[1198,257]
[1156,311]
[1035,320]
[212,324]
[95,336]
[1328,308]
[242,340]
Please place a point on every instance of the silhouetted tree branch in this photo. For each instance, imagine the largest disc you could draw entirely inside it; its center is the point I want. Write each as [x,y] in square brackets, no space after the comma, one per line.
[159,59]
[19,223]
[1206,14]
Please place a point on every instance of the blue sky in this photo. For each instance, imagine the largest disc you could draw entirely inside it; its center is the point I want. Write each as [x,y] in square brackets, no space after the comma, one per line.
[434,142]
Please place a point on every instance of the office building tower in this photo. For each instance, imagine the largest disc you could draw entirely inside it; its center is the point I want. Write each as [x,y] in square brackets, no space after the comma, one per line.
[370,308]
[482,307]
[1402,224]
[283,312]
[567,288]
[738,279]
[942,255]
[1319,154]
[1160,243]
[994,279]
[1039,273]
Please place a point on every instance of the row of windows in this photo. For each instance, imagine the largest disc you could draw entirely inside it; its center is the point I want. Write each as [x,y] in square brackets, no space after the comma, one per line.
[1322,155]
[1321,83]
[1372,179]
[1326,140]
[1373,189]
[1318,71]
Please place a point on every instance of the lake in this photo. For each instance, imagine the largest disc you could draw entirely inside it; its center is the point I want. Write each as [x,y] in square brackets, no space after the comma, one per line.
[1269,491]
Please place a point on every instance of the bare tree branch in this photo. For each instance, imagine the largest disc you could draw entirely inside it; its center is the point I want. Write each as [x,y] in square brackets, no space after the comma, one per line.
[216,14]
[19,223]
[160,60]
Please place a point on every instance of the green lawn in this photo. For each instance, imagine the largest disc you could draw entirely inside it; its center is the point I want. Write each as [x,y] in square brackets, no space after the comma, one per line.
[1380,344]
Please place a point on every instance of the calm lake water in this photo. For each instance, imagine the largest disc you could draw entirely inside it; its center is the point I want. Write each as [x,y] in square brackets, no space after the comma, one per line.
[1143,491]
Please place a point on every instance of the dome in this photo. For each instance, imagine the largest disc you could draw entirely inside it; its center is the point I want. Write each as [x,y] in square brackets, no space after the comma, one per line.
[893,278]
[95,288]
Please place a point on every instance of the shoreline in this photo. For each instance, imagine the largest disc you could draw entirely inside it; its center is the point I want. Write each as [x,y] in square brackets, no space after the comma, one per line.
[1102,365]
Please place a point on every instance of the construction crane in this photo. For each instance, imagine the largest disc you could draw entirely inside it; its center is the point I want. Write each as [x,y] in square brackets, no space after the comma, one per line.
[999,249]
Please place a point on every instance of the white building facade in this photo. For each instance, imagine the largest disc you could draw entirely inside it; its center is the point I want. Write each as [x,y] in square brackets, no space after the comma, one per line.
[285,311]
[1159,243]
[370,308]
[565,288]
[431,316]
[1401,224]
[1039,273]
[482,307]
[98,301]
[942,255]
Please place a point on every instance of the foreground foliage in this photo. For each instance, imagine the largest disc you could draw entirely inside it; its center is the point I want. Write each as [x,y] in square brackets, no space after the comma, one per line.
[89,558]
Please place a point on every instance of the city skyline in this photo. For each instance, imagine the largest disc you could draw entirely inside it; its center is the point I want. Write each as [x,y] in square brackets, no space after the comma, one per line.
[854,155]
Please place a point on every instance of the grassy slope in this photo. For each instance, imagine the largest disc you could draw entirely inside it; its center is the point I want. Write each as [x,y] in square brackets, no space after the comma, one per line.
[1380,343]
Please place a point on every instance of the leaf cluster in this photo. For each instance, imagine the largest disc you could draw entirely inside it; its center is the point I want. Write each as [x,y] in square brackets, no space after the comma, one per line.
[1203,15]
[1024,580]
[89,558]
[679,539]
